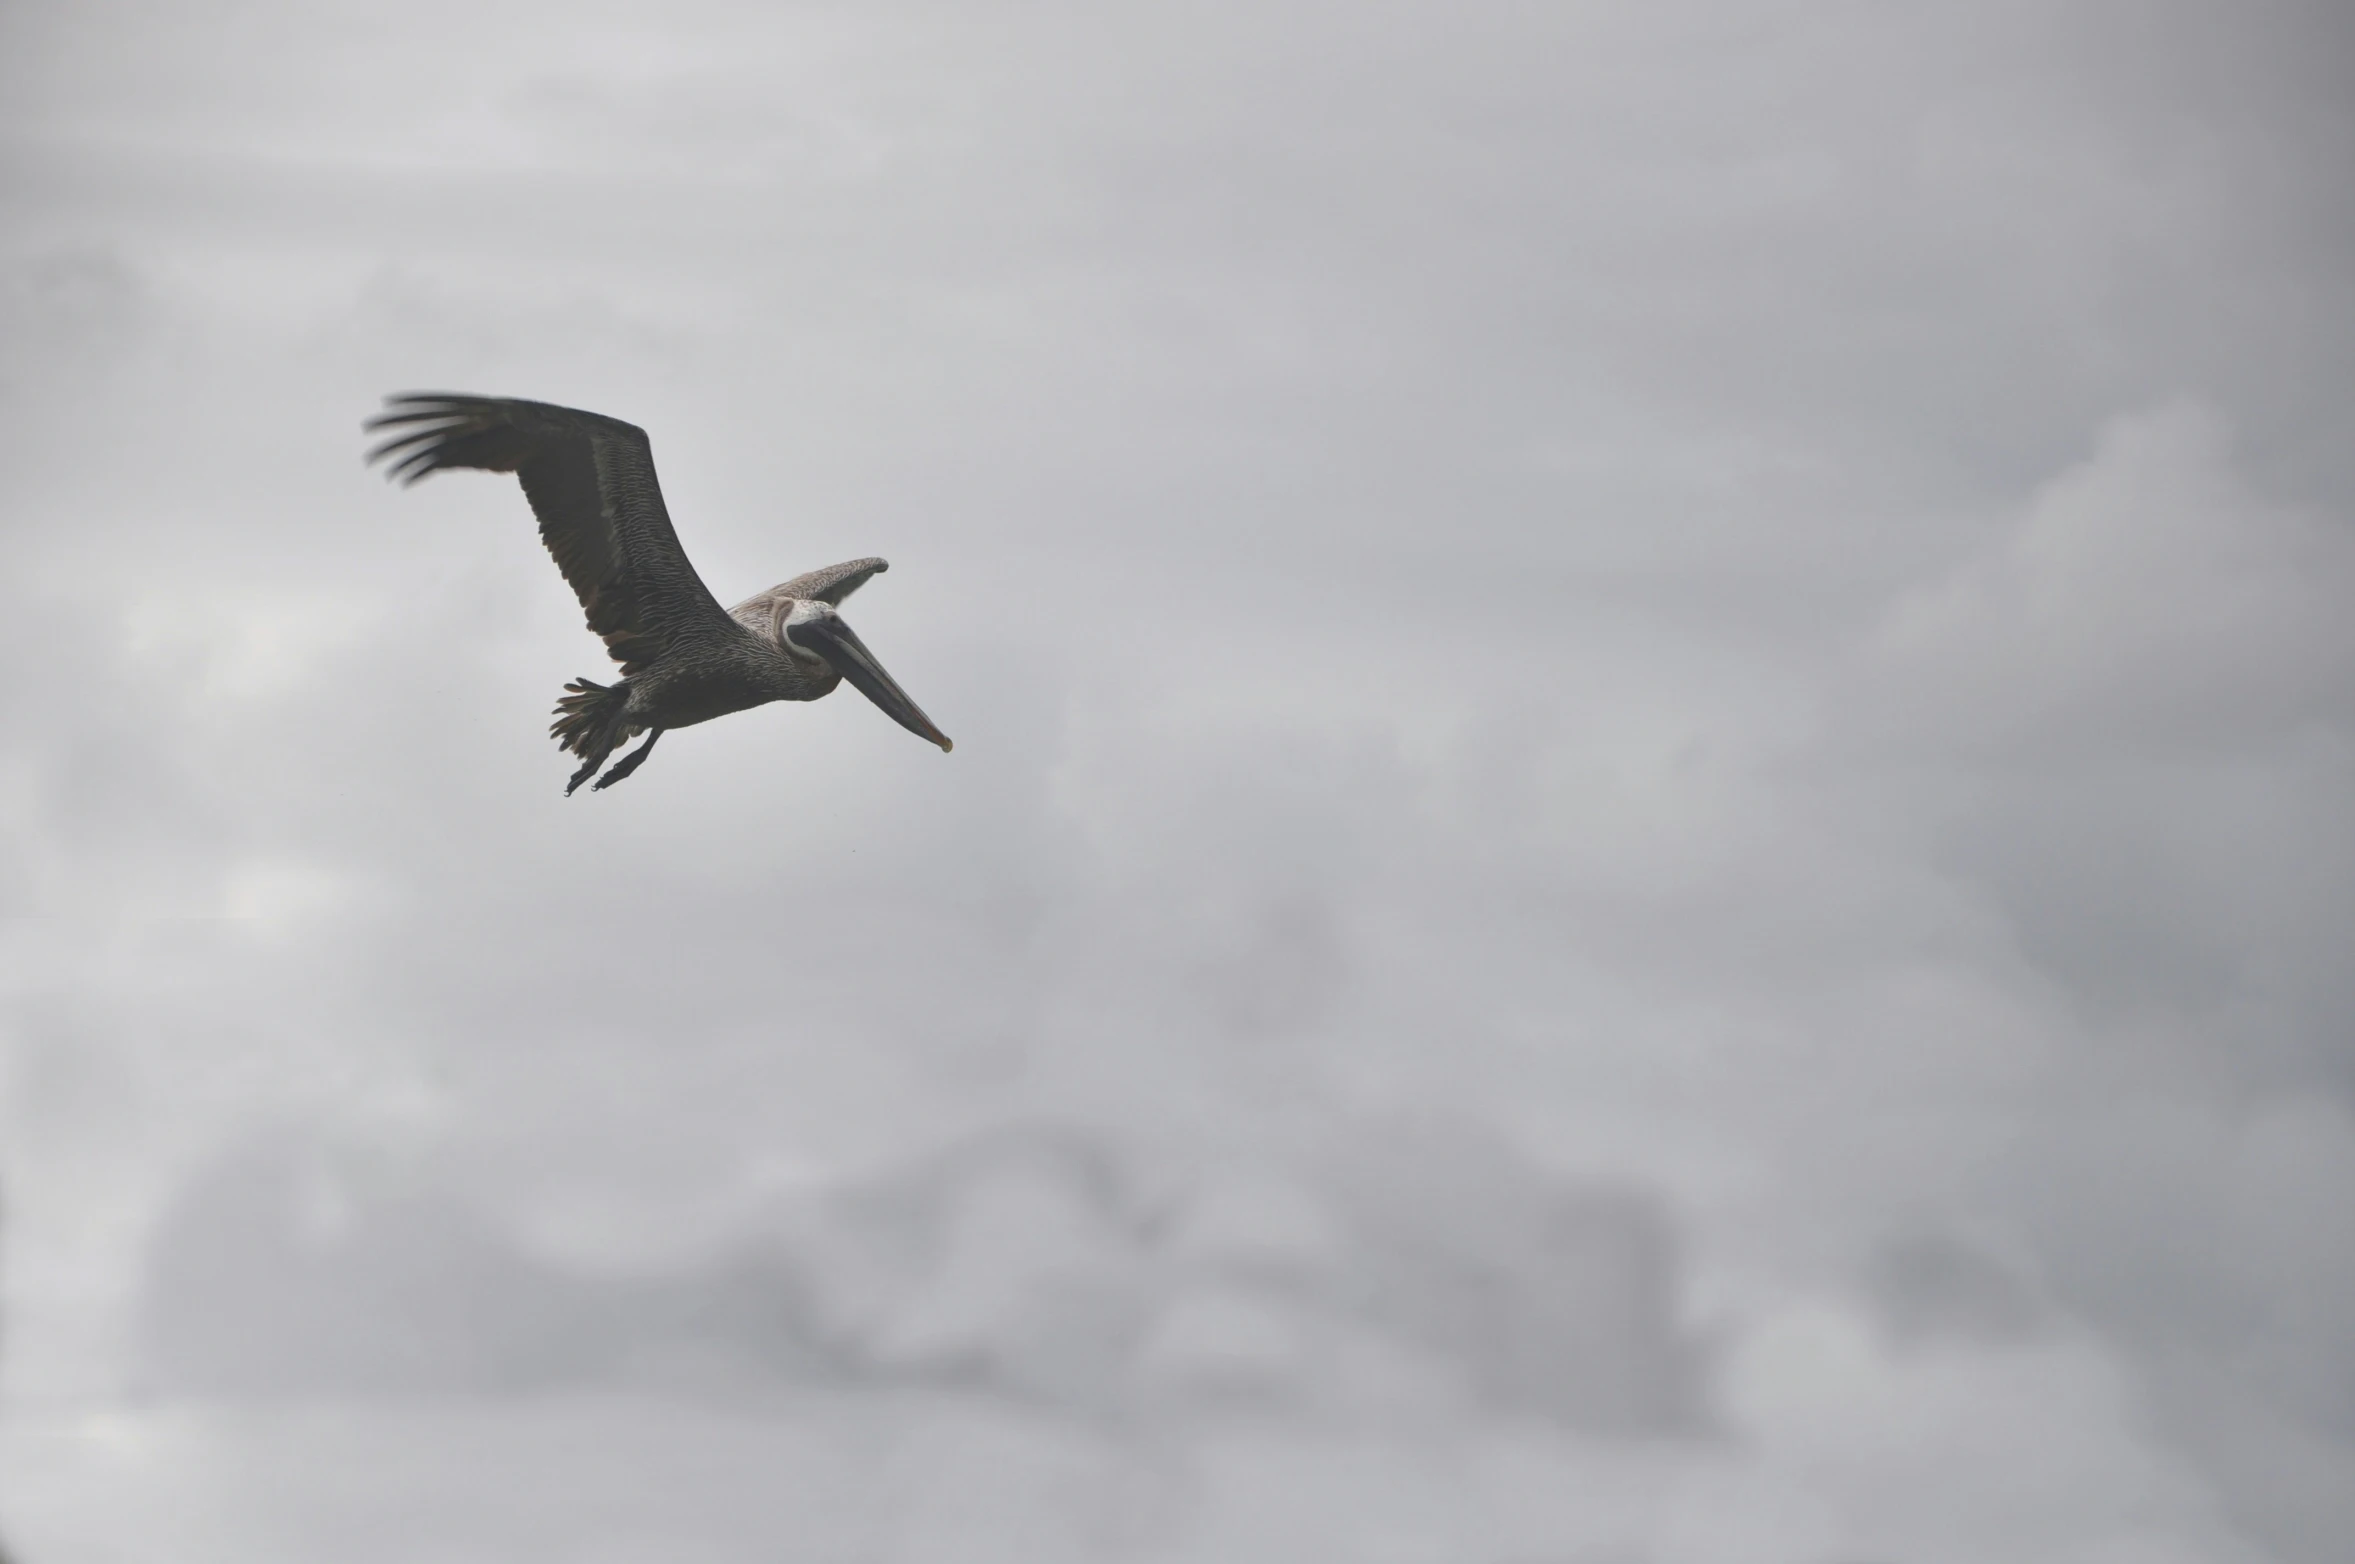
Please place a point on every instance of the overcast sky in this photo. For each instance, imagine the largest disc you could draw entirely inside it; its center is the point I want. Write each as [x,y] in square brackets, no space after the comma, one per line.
[1673,681]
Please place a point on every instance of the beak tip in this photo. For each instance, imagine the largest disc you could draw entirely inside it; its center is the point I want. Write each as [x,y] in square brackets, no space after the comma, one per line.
[946,745]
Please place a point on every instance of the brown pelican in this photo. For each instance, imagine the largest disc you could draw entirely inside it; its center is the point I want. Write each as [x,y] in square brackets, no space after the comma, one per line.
[684,660]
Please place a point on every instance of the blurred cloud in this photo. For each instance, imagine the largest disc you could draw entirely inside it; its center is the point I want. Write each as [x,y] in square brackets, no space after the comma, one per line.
[1028,1260]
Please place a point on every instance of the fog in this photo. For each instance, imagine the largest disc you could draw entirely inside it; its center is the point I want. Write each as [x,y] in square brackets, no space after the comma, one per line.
[1647,857]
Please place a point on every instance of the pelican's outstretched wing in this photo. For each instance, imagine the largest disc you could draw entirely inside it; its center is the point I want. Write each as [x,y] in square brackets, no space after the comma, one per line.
[830,585]
[590,480]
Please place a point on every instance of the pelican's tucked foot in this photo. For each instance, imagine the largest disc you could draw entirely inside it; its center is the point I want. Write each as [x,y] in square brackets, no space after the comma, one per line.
[588,770]
[629,763]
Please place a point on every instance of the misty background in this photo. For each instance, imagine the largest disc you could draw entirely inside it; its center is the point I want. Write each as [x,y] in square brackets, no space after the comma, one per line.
[1649,856]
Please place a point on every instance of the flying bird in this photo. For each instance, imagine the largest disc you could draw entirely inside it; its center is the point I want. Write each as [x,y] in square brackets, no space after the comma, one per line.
[684,659]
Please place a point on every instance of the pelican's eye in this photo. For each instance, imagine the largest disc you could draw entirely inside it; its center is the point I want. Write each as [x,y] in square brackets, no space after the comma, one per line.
[798,622]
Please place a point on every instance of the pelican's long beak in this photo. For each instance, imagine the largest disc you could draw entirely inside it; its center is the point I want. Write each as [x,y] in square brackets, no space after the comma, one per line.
[835,641]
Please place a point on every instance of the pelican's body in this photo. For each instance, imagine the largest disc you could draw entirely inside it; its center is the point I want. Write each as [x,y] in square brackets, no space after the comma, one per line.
[590,480]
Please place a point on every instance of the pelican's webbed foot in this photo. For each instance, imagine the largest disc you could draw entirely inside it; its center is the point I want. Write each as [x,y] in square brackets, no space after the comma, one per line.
[629,763]
[588,770]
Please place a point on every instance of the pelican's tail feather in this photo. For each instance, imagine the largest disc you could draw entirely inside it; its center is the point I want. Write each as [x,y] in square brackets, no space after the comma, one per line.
[590,721]
[589,716]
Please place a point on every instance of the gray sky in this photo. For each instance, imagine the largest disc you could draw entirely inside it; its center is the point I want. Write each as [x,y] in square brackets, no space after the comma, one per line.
[1654,712]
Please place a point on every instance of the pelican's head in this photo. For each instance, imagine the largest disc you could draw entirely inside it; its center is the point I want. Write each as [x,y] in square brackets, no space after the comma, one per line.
[814,630]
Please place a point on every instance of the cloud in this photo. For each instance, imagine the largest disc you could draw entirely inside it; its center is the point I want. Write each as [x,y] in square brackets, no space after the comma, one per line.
[2148,605]
[1029,1261]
